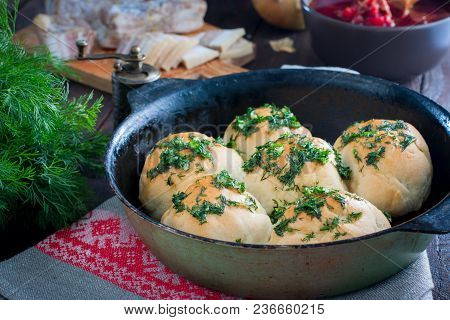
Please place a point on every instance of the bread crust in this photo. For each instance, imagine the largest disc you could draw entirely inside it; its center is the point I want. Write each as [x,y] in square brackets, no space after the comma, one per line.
[246,145]
[156,193]
[400,181]
[239,221]
[269,189]
[357,217]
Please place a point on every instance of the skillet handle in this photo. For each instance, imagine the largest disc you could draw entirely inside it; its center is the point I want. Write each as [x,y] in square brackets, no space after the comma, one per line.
[141,97]
[435,221]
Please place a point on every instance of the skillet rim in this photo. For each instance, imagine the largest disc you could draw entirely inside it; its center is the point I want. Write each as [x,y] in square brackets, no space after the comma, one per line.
[122,129]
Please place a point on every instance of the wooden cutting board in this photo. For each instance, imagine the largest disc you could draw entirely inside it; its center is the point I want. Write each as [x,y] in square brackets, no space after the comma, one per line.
[97,74]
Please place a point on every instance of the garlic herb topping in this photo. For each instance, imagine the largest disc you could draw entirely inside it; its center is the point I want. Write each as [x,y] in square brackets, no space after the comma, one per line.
[278,118]
[299,150]
[376,138]
[174,154]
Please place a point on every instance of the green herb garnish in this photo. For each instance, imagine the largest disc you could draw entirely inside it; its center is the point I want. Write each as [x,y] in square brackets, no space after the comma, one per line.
[250,202]
[283,226]
[254,161]
[339,234]
[172,155]
[229,203]
[314,198]
[169,180]
[407,140]
[387,215]
[278,211]
[282,118]
[330,224]
[304,151]
[199,146]
[310,202]
[200,210]
[374,137]
[363,132]
[201,194]
[395,126]
[204,207]
[278,118]
[274,150]
[199,168]
[311,205]
[343,171]
[177,200]
[48,141]
[246,123]
[373,157]
[352,217]
[338,197]
[355,154]
[309,237]
[224,180]
[220,141]
[232,143]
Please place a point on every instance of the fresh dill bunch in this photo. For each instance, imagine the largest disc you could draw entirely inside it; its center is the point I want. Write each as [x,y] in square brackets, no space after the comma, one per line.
[46,139]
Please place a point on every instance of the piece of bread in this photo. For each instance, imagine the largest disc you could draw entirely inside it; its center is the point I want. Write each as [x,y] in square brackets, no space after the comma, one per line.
[390,163]
[176,162]
[221,39]
[198,55]
[163,52]
[159,44]
[173,59]
[260,125]
[218,207]
[241,48]
[325,215]
[279,169]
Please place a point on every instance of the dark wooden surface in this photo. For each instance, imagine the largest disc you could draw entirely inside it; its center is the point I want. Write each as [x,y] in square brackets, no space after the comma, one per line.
[239,13]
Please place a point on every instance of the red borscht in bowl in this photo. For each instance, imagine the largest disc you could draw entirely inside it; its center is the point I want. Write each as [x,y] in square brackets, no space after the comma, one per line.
[391,39]
[384,13]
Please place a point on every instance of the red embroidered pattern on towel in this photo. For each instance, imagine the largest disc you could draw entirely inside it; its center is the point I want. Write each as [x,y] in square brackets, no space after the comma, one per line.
[106,246]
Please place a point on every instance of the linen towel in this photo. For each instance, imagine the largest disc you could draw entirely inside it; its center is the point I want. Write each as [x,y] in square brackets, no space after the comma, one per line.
[101,257]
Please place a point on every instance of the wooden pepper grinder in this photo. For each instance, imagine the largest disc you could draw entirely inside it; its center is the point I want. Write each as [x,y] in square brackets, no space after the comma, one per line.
[130,73]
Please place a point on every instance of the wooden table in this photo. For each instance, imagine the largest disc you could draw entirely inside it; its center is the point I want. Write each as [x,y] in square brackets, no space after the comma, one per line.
[239,13]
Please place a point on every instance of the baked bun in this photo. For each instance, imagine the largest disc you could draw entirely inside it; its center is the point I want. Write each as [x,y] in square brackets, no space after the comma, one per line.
[279,169]
[260,125]
[217,207]
[325,215]
[390,163]
[176,162]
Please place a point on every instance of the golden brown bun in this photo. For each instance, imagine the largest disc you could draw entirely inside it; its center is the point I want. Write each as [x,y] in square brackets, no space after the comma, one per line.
[156,193]
[243,218]
[246,145]
[343,216]
[400,180]
[267,187]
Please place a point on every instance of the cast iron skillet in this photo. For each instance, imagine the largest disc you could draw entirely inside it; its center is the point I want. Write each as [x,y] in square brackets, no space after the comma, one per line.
[325,101]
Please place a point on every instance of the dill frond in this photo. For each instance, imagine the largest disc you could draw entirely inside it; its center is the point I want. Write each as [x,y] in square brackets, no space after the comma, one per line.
[46,138]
